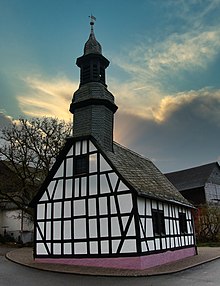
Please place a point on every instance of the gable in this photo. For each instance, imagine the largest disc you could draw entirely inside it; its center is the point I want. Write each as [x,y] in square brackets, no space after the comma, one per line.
[135,172]
[60,178]
[86,209]
[214,177]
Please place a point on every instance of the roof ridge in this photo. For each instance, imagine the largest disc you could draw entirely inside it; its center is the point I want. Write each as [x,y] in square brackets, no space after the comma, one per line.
[131,151]
[196,167]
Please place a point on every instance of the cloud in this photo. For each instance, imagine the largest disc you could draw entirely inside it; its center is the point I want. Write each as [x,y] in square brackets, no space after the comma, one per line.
[135,99]
[155,68]
[174,127]
[5,120]
[194,12]
[184,51]
[178,52]
[188,136]
[47,97]
[207,104]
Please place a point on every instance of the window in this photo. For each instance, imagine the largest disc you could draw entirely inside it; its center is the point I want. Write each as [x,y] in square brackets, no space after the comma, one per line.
[85,74]
[102,75]
[95,72]
[81,165]
[158,222]
[182,222]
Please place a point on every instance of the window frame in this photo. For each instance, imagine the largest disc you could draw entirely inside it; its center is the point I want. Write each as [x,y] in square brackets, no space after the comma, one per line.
[158,222]
[81,165]
[183,223]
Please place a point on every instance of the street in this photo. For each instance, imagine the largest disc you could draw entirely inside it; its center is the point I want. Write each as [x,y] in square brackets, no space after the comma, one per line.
[14,274]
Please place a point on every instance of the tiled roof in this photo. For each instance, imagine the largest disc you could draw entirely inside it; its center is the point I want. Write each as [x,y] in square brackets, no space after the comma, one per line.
[191,178]
[143,176]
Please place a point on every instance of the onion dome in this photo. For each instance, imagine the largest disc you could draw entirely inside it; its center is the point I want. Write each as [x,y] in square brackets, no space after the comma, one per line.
[92,46]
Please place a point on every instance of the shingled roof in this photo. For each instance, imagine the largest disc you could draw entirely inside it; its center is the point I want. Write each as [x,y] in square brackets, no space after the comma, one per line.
[191,178]
[143,176]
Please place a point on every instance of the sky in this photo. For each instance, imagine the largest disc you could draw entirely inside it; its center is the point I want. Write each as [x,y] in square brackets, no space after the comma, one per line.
[164,70]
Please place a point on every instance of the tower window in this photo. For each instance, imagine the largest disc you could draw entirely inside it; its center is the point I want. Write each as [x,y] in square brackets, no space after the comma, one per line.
[102,75]
[95,71]
[158,222]
[86,73]
[81,165]
[183,223]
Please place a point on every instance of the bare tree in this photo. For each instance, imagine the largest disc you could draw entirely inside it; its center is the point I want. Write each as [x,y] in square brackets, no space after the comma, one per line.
[208,223]
[28,151]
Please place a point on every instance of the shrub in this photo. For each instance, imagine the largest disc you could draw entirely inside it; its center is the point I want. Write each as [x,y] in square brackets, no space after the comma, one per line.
[207,223]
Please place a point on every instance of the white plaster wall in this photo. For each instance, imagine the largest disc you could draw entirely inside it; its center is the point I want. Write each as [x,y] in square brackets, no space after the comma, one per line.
[171,216]
[11,219]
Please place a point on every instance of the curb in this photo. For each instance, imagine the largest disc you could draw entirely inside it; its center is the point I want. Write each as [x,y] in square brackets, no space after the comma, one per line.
[23,257]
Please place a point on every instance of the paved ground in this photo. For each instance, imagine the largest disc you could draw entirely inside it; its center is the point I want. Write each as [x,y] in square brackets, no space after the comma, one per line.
[205,254]
[206,274]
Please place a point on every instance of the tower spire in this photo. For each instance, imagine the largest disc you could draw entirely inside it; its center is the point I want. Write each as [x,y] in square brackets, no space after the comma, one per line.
[92,23]
[92,46]
[93,105]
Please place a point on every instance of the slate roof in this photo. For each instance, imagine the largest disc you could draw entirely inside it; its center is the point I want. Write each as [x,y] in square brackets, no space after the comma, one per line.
[92,90]
[143,176]
[191,178]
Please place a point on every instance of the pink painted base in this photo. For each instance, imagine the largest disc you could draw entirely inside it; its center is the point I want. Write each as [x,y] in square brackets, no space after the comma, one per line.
[137,263]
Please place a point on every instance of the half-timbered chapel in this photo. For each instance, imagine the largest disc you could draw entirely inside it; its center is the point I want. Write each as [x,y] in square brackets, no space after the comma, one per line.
[103,204]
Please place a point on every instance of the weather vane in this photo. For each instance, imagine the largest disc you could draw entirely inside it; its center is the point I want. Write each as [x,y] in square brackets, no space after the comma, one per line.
[92,19]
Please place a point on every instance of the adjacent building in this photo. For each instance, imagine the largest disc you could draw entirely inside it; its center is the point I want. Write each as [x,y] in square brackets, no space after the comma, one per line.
[15,224]
[199,185]
[103,204]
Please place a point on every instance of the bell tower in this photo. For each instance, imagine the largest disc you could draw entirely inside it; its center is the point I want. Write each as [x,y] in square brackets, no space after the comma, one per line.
[92,104]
